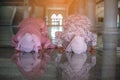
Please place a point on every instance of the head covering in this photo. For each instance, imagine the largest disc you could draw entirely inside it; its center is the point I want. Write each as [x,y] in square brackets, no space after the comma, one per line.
[28,43]
[77,45]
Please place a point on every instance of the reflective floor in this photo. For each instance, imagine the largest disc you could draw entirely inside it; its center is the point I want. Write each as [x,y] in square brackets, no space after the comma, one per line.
[9,71]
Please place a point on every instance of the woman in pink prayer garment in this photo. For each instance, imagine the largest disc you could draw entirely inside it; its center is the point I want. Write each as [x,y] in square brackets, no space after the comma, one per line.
[34,26]
[72,45]
[33,48]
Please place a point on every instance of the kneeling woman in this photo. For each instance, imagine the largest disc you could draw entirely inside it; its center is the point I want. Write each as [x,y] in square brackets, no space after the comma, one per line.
[73,45]
[31,42]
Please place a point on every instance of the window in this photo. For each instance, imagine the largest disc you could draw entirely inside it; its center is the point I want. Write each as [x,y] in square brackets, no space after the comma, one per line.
[56,19]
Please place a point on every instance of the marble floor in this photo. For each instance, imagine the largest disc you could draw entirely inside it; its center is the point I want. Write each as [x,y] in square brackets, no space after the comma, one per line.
[9,71]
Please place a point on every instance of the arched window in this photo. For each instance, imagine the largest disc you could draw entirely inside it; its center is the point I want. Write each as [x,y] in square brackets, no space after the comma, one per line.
[56,19]
[53,19]
[60,17]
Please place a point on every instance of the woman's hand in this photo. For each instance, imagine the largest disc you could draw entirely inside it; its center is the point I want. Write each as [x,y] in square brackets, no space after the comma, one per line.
[92,50]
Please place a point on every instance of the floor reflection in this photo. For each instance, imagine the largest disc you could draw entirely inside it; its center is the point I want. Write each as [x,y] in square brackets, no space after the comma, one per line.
[52,30]
[32,65]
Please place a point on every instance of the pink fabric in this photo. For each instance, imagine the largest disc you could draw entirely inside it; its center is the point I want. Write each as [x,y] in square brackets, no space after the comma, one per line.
[34,26]
[76,66]
[47,43]
[29,29]
[32,65]
[77,21]
[76,25]
[37,22]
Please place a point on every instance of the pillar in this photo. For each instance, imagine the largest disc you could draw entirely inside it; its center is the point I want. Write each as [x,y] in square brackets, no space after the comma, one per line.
[26,9]
[109,40]
[119,18]
[81,6]
[91,12]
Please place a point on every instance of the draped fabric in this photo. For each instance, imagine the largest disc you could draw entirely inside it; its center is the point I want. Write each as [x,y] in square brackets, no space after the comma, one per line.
[76,25]
[77,32]
[33,48]
[36,27]
[38,23]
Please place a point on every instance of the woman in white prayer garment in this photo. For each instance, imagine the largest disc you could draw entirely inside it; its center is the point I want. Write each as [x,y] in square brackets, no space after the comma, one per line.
[74,46]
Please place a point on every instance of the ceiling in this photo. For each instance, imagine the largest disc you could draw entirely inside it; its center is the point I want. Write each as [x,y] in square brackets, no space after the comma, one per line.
[38,2]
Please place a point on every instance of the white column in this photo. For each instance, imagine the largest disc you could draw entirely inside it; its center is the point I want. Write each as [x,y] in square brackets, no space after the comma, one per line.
[91,12]
[26,9]
[109,40]
[80,7]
